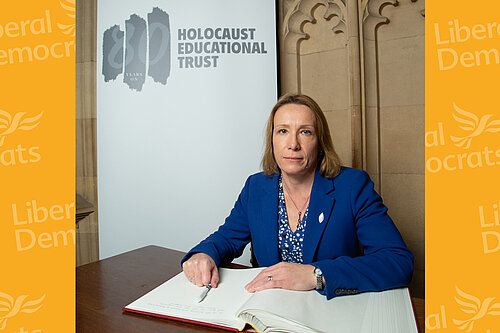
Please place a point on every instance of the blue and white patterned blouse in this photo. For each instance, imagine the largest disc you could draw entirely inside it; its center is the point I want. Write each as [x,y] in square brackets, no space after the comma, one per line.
[290,243]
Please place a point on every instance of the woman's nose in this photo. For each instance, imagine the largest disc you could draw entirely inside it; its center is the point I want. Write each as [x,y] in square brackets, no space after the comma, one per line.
[294,143]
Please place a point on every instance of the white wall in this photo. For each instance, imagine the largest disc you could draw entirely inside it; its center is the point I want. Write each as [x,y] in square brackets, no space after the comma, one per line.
[173,158]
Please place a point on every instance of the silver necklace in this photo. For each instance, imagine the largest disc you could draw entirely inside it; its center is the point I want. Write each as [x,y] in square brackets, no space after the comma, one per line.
[299,210]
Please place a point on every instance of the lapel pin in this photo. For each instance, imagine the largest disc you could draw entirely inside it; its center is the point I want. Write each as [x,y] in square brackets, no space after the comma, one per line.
[321,218]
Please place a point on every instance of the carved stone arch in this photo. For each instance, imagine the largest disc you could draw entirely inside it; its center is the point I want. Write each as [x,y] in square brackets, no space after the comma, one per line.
[422,11]
[372,15]
[297,14]
[301,12]
[371,18]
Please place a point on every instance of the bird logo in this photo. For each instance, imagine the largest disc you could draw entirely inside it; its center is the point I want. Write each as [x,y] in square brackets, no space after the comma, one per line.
[471,123]
[472,305]
[69,7]
[9,124]
[10,308]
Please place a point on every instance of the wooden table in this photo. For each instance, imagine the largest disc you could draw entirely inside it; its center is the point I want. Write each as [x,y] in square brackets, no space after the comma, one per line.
[104,287]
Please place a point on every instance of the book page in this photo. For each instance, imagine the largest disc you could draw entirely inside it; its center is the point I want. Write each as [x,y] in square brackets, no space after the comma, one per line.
[176,298]
[379,312]
[389,311]
[309,308]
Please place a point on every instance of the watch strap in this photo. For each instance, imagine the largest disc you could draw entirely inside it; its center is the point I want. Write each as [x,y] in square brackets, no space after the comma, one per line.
[319,278]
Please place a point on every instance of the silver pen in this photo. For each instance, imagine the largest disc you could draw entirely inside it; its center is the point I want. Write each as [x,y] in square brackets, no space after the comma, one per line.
[203,294]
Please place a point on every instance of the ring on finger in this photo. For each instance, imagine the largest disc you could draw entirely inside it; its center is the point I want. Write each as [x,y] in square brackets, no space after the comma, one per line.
[269,278]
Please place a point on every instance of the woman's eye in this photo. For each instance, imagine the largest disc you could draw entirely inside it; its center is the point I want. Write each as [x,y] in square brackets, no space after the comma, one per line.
[307,132]
[282,131]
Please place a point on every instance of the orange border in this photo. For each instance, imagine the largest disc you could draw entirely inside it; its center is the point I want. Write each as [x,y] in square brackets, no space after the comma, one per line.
[462,166]
[37,162]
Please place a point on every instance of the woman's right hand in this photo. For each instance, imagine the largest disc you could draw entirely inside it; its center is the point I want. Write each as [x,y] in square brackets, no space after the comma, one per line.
[201,270]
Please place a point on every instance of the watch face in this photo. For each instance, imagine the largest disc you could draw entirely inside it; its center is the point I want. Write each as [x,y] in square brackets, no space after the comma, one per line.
[317,271]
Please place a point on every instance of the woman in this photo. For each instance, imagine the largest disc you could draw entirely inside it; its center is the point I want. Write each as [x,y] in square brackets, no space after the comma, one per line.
[306,217]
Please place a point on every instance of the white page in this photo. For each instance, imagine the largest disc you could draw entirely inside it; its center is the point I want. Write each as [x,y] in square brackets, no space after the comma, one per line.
[383,312]
[277,324]
[367,312]
[389,311]
[340,314]
[369,317]
[411,323]
[384,305]
[398,306]
[176,298]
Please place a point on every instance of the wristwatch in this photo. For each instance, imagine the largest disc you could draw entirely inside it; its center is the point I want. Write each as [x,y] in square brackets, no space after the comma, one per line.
[319,278]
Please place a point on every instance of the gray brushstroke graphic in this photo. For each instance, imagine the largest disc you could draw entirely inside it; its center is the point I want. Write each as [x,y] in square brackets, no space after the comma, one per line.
[159,45]
[135,52]
[112,48]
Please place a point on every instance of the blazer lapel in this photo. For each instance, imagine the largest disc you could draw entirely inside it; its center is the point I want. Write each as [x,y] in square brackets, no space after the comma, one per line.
[320,209]
[269,218]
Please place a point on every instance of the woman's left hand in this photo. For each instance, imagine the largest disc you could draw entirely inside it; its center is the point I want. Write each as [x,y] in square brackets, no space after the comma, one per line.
[284,275]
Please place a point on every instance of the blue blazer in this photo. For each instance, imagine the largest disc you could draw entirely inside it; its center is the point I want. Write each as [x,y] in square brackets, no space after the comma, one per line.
[353,215]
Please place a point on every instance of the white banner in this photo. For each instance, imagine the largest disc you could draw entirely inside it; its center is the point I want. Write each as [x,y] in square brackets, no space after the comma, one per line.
[184,91]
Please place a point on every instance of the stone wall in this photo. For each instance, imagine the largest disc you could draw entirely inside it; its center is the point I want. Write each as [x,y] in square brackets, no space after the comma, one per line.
[363,62]
[87,241]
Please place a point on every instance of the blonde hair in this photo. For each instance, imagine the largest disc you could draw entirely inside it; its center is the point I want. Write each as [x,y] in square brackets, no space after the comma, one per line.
[328,159]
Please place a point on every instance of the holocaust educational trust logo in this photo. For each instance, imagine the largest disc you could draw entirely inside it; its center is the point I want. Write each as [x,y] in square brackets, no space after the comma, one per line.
[142,45]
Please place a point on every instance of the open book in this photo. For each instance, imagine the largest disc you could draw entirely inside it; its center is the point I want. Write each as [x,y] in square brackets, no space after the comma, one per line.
[231,307]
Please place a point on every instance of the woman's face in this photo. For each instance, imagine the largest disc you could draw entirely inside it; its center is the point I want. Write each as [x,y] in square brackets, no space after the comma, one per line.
[295,141]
